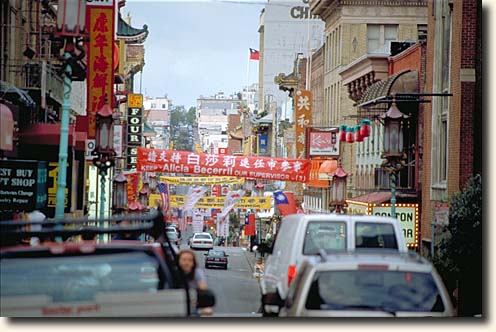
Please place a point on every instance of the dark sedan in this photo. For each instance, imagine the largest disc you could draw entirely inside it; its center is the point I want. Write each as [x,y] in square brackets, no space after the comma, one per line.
[216,258]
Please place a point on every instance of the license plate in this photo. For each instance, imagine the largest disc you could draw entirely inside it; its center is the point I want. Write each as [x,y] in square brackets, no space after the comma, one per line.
[216,259]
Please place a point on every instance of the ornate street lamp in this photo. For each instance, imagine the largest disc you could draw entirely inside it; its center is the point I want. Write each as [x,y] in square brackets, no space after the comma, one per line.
[104,148]
[393,147]
[338,189]
[153,178]
[119,197]
[71,18]
[143,195]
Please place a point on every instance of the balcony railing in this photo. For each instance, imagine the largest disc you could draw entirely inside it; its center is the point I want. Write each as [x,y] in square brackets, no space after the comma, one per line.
[32,75]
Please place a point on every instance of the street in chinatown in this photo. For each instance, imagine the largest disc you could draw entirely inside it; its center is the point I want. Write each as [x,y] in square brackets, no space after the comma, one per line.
[236,289]
[329,152]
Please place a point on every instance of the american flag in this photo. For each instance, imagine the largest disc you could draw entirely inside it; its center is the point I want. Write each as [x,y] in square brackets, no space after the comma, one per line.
[164,194]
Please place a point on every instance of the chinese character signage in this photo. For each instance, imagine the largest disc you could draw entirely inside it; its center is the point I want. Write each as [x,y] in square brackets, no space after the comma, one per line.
[212,202]
[185,162]
[100,70]
[135,100]
[23,185]
[303,119]
[201,180]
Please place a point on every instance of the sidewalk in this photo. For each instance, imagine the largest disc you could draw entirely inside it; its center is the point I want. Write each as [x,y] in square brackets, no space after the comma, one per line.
[256,268]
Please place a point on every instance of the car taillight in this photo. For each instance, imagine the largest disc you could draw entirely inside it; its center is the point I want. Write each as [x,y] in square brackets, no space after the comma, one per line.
[291,273]
[224,259]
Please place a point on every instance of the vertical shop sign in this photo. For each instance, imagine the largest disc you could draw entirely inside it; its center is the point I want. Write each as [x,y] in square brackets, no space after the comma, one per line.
[100,70]
[303,119]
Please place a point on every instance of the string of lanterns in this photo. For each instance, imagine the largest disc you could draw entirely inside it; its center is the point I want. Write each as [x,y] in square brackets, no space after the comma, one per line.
[355,133]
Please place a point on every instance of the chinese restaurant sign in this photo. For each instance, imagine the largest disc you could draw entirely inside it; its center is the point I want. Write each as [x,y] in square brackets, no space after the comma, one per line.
[322,142]
[100,70]
[303,116]
[23,185]
[185,162]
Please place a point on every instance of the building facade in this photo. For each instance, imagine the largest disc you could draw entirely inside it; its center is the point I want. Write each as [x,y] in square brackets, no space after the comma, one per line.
[355,31]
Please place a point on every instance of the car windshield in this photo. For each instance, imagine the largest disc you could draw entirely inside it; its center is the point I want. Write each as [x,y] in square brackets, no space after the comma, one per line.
[375,235]
[202,236]
[390,291]
[216,253]
[79,277]
[172,235]
[325,235]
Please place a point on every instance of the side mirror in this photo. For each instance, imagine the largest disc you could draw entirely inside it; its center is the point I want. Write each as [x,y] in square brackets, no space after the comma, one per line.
[205,254]
[227,255]
[206,298]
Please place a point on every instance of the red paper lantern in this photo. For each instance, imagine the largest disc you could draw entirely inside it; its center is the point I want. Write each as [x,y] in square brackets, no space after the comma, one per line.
[358,135]
[349,135]
[365,128]
[342,133]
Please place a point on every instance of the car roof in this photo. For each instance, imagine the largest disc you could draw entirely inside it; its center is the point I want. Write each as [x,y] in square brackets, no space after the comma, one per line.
[337,217]
[82,246]
[351,259]
[202,233]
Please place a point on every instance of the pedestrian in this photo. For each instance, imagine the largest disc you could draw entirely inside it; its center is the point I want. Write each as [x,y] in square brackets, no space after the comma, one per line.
[194,275]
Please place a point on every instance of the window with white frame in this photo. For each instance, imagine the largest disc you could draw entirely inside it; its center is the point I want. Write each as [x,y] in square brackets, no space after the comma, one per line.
[379,35]
[441,105]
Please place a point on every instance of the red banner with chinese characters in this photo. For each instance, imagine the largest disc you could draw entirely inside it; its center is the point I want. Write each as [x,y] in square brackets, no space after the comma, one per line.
[100,67]
[186,162]
[132,186]
[303,119]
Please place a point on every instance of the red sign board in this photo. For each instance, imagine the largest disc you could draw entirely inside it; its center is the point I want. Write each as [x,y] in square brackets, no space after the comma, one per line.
[186,162]
[222,150]
[100,68]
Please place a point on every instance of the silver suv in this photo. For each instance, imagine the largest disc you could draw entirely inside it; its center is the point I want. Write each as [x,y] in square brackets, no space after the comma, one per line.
[367,284]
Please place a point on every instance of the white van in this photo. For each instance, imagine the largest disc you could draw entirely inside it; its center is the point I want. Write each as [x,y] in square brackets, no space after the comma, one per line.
[301,236]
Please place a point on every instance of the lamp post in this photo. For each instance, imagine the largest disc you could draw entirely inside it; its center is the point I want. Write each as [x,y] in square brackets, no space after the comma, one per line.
[326,169]
[393,148]
[338,189]
[71,17]
[104,151]
[119,197]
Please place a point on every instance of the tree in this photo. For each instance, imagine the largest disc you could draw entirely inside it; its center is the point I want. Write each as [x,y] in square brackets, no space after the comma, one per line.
[459,259]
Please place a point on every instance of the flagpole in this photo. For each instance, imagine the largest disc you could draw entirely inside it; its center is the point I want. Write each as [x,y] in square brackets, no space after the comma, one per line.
[248,71]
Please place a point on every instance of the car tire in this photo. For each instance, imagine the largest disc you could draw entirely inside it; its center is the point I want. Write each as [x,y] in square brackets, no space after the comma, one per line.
[225,267]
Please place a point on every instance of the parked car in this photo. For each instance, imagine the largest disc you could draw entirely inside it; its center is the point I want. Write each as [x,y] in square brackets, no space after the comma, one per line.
[301,236]
[202,241]
[89,278]
[216,258]
[367,285]
[173,235]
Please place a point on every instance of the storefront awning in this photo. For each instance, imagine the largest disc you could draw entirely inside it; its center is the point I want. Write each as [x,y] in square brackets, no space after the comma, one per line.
[46,134]
[405,81]
[6,128]
[376,197]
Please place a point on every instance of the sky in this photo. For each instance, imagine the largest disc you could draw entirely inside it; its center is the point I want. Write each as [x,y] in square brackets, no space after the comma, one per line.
[196,47]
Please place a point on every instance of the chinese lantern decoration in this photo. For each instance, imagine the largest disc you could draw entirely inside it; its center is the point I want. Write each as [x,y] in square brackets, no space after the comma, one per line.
[342,133]
[365,128]
[358,135]
[350,134]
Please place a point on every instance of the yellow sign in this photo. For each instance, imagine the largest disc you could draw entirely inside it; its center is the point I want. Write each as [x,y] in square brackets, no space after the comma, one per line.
[134,100]
[202,180]
[210,202]
[406,213]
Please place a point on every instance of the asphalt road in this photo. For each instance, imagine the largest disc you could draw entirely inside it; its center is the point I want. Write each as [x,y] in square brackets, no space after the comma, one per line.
[236,290]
